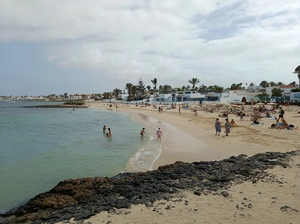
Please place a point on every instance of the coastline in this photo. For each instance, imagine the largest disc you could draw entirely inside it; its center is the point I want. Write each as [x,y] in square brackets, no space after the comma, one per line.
[192,138]
[276,194]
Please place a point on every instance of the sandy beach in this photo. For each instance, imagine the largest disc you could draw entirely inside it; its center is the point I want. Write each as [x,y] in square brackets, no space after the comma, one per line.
[199,129]
[273,201]
[250,176]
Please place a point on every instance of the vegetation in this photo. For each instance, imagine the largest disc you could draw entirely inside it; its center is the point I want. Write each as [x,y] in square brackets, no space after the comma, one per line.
[295,90]
[154,82]
[297,72]
[263,97]
[276,92]
[194,81]
[140,91]
[236,86]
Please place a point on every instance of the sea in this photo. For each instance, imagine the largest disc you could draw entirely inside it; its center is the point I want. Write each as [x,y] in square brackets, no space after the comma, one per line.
[39,147]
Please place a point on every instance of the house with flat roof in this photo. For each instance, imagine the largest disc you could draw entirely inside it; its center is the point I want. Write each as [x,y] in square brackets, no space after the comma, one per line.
[238,96]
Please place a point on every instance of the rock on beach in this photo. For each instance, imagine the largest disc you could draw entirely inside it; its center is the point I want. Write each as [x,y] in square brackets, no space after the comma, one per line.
[85,197]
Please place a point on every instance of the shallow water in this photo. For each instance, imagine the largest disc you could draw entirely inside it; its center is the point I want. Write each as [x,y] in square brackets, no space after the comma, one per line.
[42,146]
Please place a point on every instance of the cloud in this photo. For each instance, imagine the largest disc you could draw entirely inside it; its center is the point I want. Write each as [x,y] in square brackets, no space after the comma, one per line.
[217,41]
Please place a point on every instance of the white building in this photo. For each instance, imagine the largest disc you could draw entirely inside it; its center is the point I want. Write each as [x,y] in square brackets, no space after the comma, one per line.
[238,96]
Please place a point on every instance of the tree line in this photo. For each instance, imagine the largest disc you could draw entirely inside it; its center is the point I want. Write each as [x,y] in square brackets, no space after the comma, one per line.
[140,90]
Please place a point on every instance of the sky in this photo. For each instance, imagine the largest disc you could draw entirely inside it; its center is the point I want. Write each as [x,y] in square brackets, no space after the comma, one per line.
[95,46]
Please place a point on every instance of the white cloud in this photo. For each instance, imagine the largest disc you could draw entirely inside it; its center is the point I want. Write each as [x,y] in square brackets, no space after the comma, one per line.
[218,41]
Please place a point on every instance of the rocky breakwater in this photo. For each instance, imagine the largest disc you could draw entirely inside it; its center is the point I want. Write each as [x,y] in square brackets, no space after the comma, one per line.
[56,106]
[82,198]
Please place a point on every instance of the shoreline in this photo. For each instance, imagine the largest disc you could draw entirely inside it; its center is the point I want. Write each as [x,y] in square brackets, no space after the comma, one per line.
[245,139]
[278,196]
[235,190]
[180,144]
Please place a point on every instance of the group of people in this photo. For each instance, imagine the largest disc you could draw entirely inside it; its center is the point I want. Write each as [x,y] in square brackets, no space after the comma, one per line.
[227,126]
[109,133]
[142,133]
[281,123]
[158,133]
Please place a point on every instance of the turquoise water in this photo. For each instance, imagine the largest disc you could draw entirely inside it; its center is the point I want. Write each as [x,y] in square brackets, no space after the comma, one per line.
[41,146]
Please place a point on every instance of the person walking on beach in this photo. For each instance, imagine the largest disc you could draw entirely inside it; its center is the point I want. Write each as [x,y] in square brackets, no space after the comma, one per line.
[179,109]
[281,113]
[143,132]
[158,134]
[218,126]
[104,129]
[227,127]
[109,134]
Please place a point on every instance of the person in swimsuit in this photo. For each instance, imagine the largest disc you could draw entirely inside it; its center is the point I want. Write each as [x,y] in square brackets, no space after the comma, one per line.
[142,132]
[104,129]
[232,123]
[109,134]
[159,134]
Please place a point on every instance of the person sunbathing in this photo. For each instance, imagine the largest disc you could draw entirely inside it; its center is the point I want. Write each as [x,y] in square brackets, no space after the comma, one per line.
[255,121]
[283,125]
[268,115]
[225,114]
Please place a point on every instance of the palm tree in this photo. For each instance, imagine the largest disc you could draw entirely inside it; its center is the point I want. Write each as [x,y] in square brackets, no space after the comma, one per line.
[128,86]
[134,91]
[194,81]
[263,83]
[166,89]
[236,86]
[154,82]
[106,95]
[117,92]
[297,71]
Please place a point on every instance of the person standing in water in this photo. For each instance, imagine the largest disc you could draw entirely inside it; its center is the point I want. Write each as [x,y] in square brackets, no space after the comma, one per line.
[143,132]
[104,129]
[158,134]
[109,134]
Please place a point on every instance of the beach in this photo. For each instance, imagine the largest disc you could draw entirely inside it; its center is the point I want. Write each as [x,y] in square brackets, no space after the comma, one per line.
[273,201]
[245,139]
[232,189]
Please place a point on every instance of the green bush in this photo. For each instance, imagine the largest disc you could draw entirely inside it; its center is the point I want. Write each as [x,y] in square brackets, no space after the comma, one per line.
[295,90]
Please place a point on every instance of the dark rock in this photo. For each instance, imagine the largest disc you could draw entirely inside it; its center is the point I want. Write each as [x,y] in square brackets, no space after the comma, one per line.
[197,193]
[82,198]
[225,194]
